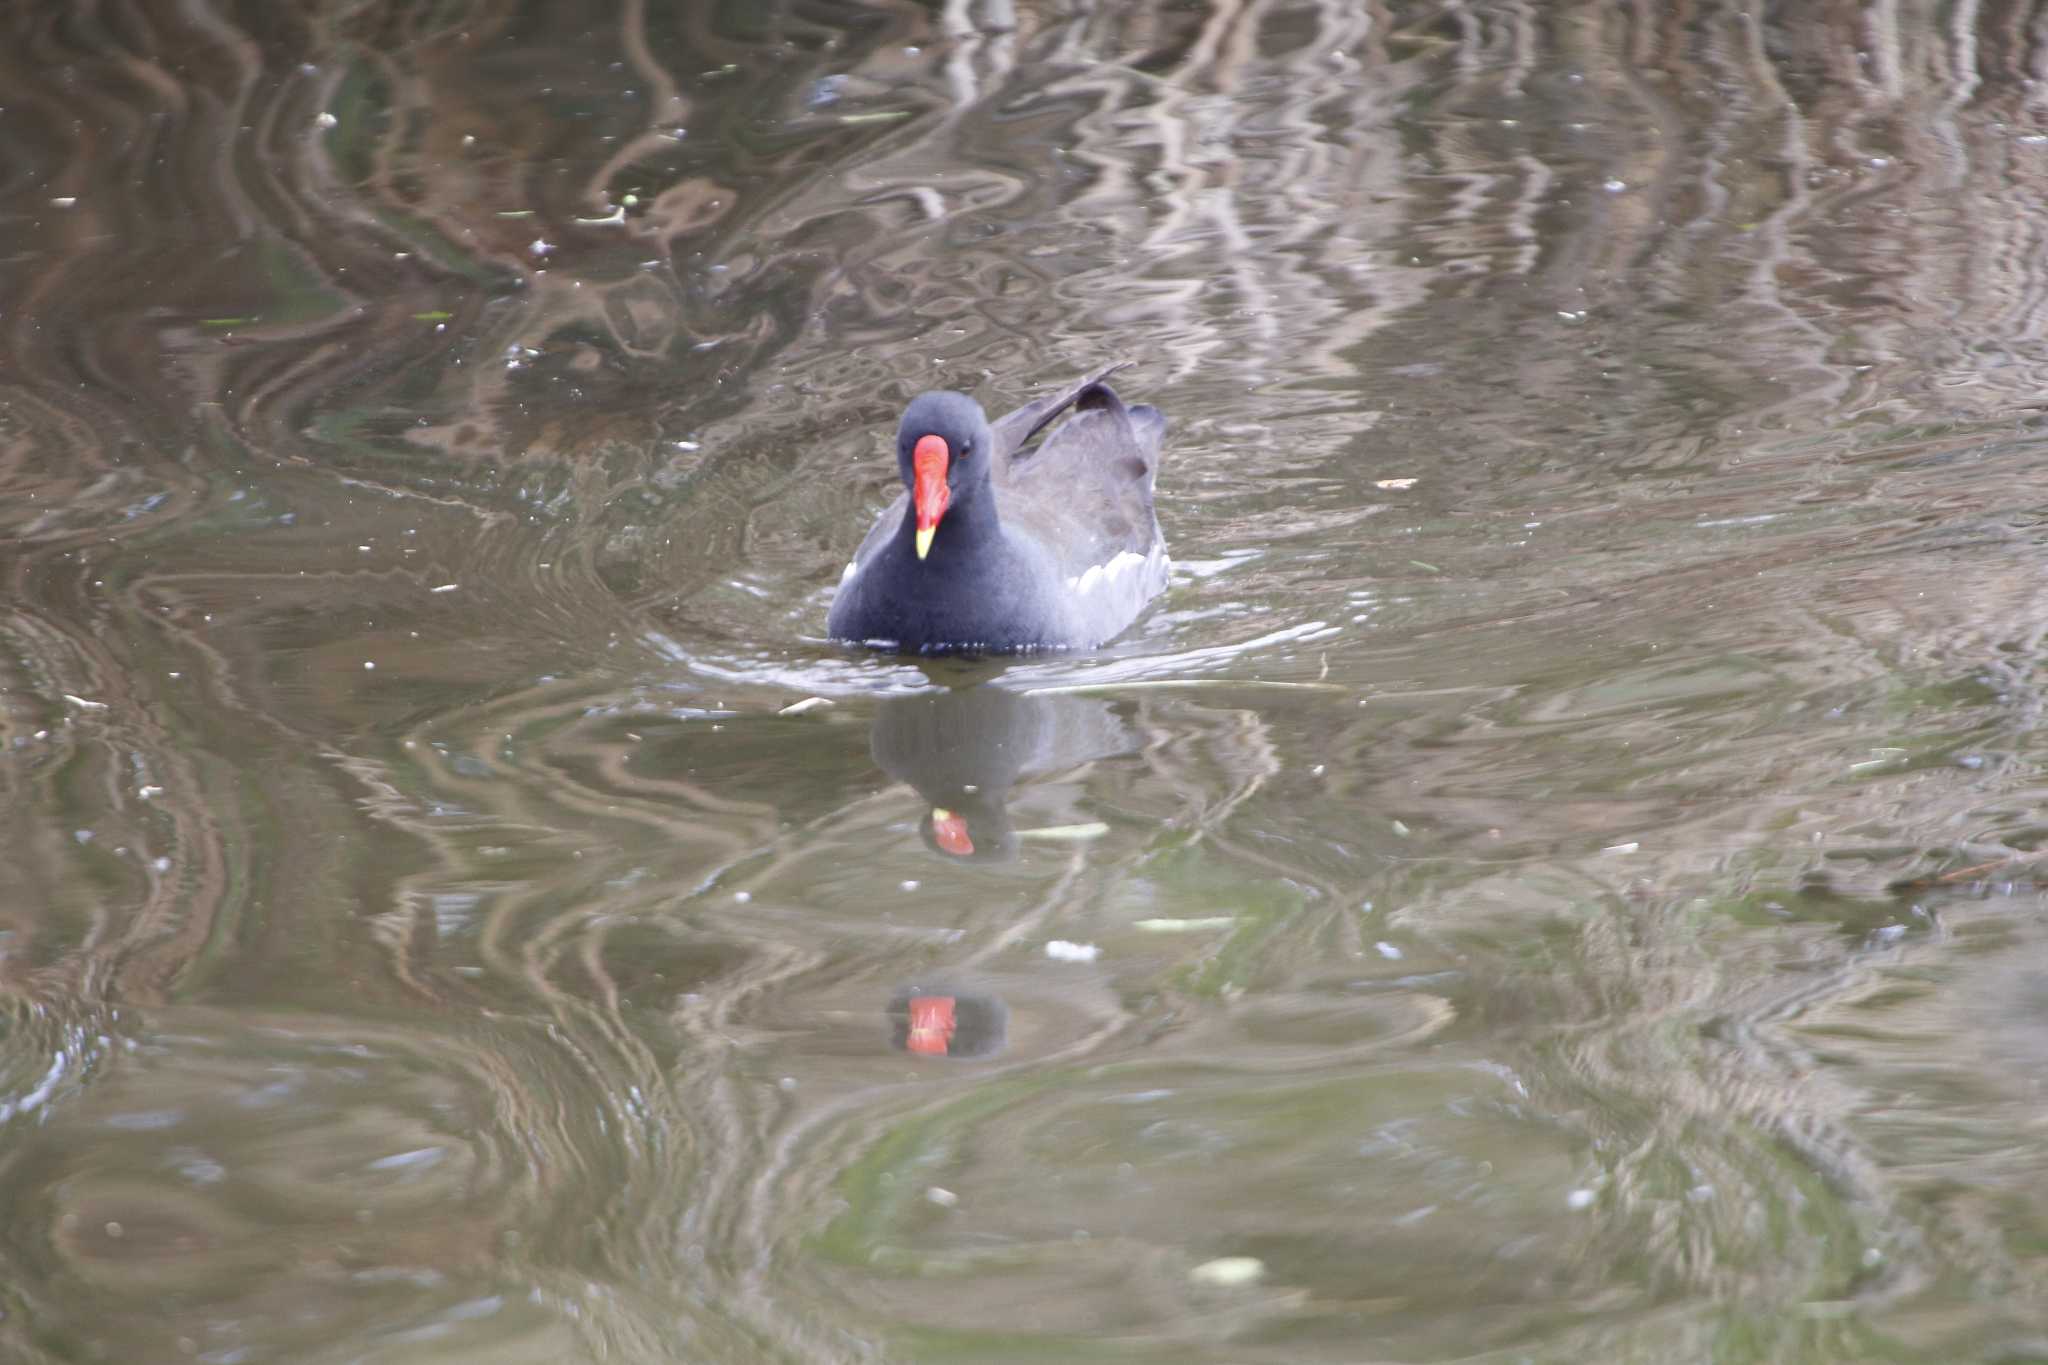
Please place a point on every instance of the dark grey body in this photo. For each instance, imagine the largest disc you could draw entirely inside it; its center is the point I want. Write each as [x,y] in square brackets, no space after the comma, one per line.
[1053,547]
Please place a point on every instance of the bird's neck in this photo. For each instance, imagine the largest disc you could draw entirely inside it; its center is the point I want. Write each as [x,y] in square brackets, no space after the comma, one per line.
[969,524]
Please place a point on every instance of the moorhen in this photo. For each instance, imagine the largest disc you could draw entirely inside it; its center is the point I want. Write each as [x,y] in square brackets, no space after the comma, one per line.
[995,548]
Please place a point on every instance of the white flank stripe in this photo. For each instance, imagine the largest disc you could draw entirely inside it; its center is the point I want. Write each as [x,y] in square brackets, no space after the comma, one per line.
[1099,574]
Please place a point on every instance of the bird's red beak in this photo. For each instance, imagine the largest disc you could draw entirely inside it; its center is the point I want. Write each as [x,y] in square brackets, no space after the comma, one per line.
[931,1025]
[928,493]
[949,831]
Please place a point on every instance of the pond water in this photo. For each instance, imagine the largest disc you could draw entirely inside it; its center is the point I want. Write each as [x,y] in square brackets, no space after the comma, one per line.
[1554,879]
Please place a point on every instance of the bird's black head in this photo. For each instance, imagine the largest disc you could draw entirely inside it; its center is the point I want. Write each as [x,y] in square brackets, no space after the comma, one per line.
[943,449]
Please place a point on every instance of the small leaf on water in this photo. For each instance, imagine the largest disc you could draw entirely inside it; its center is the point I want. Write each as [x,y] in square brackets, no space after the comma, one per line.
[1229,1271]
[433,315]
[225,322]
[884,116]
[1427,568]
[1073,833]
[1185,926]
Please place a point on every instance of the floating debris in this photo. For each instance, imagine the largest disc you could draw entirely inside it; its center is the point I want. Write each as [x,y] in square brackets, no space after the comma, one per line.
[87,705]
[1095,829]
[1229,1272]
[1185,926]
[1153,684]
[1059,950]
[797,708]
[1395,484]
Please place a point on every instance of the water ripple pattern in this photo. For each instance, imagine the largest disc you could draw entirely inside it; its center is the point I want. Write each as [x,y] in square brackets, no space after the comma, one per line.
[1555,878]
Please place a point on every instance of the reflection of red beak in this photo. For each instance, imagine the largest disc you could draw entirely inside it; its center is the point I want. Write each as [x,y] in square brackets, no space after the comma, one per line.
[928,493]
[931,1025]
[950,832]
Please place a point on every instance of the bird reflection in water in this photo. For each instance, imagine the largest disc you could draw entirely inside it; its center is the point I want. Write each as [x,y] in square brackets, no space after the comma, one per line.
[947,1019]
[967,749]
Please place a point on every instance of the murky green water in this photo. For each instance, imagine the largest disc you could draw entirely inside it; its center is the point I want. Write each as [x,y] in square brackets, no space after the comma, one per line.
[1555,879]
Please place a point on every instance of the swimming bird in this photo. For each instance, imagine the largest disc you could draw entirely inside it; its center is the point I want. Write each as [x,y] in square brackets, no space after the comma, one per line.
[997,546]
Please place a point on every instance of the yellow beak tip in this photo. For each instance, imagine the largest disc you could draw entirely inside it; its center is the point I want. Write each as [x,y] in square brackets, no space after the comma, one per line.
[924,540]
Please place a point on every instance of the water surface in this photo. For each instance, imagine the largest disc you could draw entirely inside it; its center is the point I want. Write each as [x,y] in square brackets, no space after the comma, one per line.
[1554,879]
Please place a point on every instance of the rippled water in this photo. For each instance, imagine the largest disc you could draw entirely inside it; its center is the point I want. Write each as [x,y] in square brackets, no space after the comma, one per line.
[1555,878]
